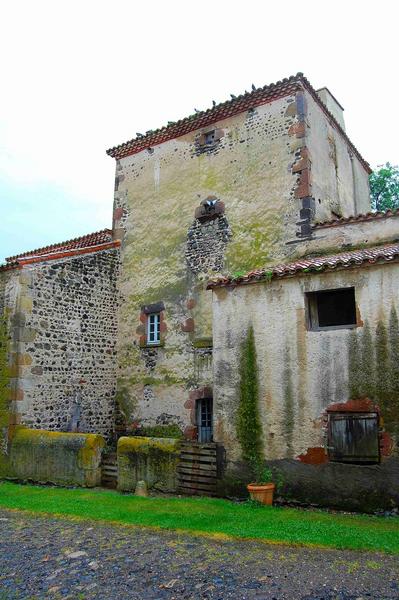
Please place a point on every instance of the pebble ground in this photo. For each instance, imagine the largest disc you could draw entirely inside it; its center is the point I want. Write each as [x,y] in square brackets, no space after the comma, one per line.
[51,558]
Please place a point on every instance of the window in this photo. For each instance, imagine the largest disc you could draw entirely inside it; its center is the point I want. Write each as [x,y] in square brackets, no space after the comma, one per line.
[331,309]
[353,437]
[153,328]
[204,420]
[210,137]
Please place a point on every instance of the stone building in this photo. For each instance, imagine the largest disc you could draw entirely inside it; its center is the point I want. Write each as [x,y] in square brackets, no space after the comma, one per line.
[326,334]
[227,190]
[254,212]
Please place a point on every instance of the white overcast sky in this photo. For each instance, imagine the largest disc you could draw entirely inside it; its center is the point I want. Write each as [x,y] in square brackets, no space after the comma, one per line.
[80,77]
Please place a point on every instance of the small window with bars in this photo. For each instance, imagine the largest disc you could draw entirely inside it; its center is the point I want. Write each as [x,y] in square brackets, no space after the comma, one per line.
[154,328]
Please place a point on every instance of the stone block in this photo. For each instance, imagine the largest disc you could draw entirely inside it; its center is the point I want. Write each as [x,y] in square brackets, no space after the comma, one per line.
[188,325]
[56,457]
[153,460]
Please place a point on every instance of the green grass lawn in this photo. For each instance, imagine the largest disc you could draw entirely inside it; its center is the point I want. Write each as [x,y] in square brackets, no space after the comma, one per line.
[210,516]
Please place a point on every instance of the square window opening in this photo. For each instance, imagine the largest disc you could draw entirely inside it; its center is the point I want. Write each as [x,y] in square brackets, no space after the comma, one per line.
[154,328]
[353,438]
[210,138]
[331,309]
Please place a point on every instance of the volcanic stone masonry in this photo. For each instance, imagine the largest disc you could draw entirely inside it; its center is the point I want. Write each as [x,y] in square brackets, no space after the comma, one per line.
[63,331]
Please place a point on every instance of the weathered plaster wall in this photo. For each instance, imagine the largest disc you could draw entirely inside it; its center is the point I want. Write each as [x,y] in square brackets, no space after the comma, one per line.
[301,372]
[63,343]
[339,181]
[167,254]
[259,169]
[360,234]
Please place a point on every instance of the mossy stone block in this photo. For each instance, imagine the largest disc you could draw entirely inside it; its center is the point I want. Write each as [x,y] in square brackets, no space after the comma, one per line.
[153,460]
[56,457]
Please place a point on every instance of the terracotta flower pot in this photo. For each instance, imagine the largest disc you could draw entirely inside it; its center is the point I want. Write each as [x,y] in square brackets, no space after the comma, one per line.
[262,493]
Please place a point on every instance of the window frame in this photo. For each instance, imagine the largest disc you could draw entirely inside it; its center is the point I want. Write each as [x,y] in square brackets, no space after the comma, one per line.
[212,133]
[156,329]
[312,315]
[354,459]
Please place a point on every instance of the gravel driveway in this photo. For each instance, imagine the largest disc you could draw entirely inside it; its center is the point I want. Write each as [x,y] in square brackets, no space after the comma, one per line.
[52,558]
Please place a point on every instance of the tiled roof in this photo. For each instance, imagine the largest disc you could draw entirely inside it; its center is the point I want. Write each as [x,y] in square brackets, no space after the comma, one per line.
[370,216]
[85,241]
[313,265]
[236,105]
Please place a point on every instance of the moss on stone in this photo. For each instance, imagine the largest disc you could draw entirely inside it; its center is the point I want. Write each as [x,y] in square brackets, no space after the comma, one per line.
[354,365]
[154,460]
[382,366]
[392,417]
[289,417]
[205,342]
[56,457]
[367,366]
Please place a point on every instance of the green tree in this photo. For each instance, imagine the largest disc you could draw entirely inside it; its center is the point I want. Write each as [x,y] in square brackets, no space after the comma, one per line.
[249,428]
[384,187]
[382,365]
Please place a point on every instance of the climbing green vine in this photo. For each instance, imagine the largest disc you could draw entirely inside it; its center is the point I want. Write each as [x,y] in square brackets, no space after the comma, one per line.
[249,429]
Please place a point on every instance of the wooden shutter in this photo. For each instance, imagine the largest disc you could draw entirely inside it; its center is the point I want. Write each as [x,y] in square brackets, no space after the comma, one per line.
[353,437]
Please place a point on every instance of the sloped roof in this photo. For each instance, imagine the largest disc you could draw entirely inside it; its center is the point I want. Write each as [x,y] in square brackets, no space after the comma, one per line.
[236,105]
[384,253]
[86,241]
[370,216]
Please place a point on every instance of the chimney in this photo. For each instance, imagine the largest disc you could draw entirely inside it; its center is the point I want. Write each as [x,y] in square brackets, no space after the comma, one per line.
[332,105]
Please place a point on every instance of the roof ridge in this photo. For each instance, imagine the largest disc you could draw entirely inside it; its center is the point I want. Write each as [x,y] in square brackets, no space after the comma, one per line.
[184,125]
[369,216]
[314,264]
[56,246]
[197,115]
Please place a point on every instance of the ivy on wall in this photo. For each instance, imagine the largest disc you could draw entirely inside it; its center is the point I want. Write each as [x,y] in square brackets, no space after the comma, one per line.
[374,366]
[249,429]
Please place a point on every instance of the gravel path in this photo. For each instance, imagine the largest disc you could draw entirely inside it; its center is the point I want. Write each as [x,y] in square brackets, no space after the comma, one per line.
[57,558]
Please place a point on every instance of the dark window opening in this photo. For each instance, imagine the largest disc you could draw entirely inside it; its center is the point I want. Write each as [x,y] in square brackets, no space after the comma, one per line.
[204,420]
[210,137]
[353,437]
[331,308]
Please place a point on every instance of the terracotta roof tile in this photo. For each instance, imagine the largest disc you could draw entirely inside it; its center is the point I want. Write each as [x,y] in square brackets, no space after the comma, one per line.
[85,241]
[320,263]
[370,216]
[257,97]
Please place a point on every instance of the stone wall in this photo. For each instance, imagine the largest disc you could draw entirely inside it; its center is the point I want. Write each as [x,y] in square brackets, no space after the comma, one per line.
[8,385]
[63,334]
[258,174]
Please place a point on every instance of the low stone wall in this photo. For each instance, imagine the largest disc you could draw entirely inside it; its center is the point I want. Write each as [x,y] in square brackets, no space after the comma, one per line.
[154,460]
[55,457]
[364,488]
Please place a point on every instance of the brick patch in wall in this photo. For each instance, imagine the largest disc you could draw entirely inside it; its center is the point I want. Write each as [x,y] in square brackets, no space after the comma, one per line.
[188,325]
